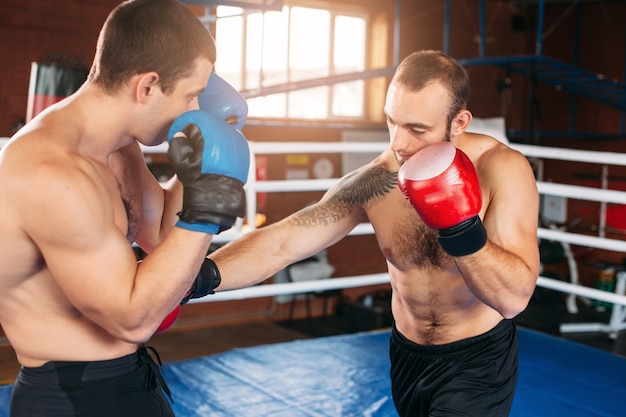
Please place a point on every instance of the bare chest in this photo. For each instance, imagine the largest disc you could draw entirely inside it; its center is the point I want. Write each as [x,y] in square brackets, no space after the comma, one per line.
[405,241]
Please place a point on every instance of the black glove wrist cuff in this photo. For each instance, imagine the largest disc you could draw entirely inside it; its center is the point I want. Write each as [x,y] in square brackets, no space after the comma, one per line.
[213,199]
[465,238]
[205,283]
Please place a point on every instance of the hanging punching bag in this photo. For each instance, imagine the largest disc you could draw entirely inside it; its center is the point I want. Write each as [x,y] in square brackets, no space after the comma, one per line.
[50,83]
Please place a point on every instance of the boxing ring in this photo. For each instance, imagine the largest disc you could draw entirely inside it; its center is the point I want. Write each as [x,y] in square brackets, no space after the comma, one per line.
[618,317]
[347,375]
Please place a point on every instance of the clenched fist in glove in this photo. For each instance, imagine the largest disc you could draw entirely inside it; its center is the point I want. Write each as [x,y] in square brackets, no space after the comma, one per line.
[441,183]
[211,161]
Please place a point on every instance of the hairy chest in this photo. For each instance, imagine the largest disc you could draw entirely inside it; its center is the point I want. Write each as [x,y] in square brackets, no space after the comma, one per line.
[405,241]
[131,202]
[127,196]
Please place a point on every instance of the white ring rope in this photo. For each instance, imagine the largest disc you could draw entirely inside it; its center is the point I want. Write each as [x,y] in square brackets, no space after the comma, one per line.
[546,188]
[581,290]
[297,287]
[581,193]
[575,155]
[582,240]
[300,287]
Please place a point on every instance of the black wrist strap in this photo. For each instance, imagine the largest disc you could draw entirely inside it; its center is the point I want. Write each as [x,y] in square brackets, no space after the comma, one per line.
[205,283]
[465,238]
[213,199]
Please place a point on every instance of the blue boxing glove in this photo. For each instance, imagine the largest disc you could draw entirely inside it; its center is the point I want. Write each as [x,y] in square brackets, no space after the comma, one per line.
[211,162]
[224,102]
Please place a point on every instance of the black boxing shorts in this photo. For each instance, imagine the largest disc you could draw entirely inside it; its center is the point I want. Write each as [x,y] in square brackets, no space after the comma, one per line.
[130,386]
[472,377]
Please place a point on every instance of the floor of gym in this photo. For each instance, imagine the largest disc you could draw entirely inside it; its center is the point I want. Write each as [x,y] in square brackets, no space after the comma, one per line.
[545,313]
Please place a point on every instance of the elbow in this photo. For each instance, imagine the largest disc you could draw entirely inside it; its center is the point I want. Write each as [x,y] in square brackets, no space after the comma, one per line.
[128,324]
[136,336]
[511,313]
[515,306]
[517,300]
[134,330]
[133,334]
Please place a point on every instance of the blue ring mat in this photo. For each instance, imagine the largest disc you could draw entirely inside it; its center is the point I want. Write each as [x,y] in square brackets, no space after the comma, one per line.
[348,375]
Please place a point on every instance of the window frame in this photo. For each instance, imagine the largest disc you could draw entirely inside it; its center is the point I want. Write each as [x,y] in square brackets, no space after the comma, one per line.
[334,11]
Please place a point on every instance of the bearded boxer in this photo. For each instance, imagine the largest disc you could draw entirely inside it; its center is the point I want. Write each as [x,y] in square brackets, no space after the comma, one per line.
[455,215]
[76,193]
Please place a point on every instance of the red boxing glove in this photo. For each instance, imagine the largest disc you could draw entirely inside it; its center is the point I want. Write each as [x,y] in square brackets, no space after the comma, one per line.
[441,183]
[169,320]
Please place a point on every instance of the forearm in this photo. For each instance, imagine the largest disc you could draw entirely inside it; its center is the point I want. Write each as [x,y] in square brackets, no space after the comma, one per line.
[164,277]
[161,203]
[129,299]
[248,260]
[499,278]
[260,254]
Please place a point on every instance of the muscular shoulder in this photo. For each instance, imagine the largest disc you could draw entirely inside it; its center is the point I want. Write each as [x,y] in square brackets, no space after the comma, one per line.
[492,157]
[505,175]
[52,177]
[46,163]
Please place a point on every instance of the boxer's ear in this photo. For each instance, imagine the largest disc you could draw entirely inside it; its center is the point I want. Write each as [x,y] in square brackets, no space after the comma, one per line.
[460,122]
[146,85]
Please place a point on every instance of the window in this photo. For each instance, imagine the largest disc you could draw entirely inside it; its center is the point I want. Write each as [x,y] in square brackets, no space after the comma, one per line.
[264,49]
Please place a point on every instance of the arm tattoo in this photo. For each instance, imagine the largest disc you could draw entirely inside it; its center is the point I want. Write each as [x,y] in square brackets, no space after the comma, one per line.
[355,190]
[367,185]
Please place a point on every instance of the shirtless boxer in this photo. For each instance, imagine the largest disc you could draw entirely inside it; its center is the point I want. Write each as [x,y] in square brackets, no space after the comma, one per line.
[75,193]
[460,275]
